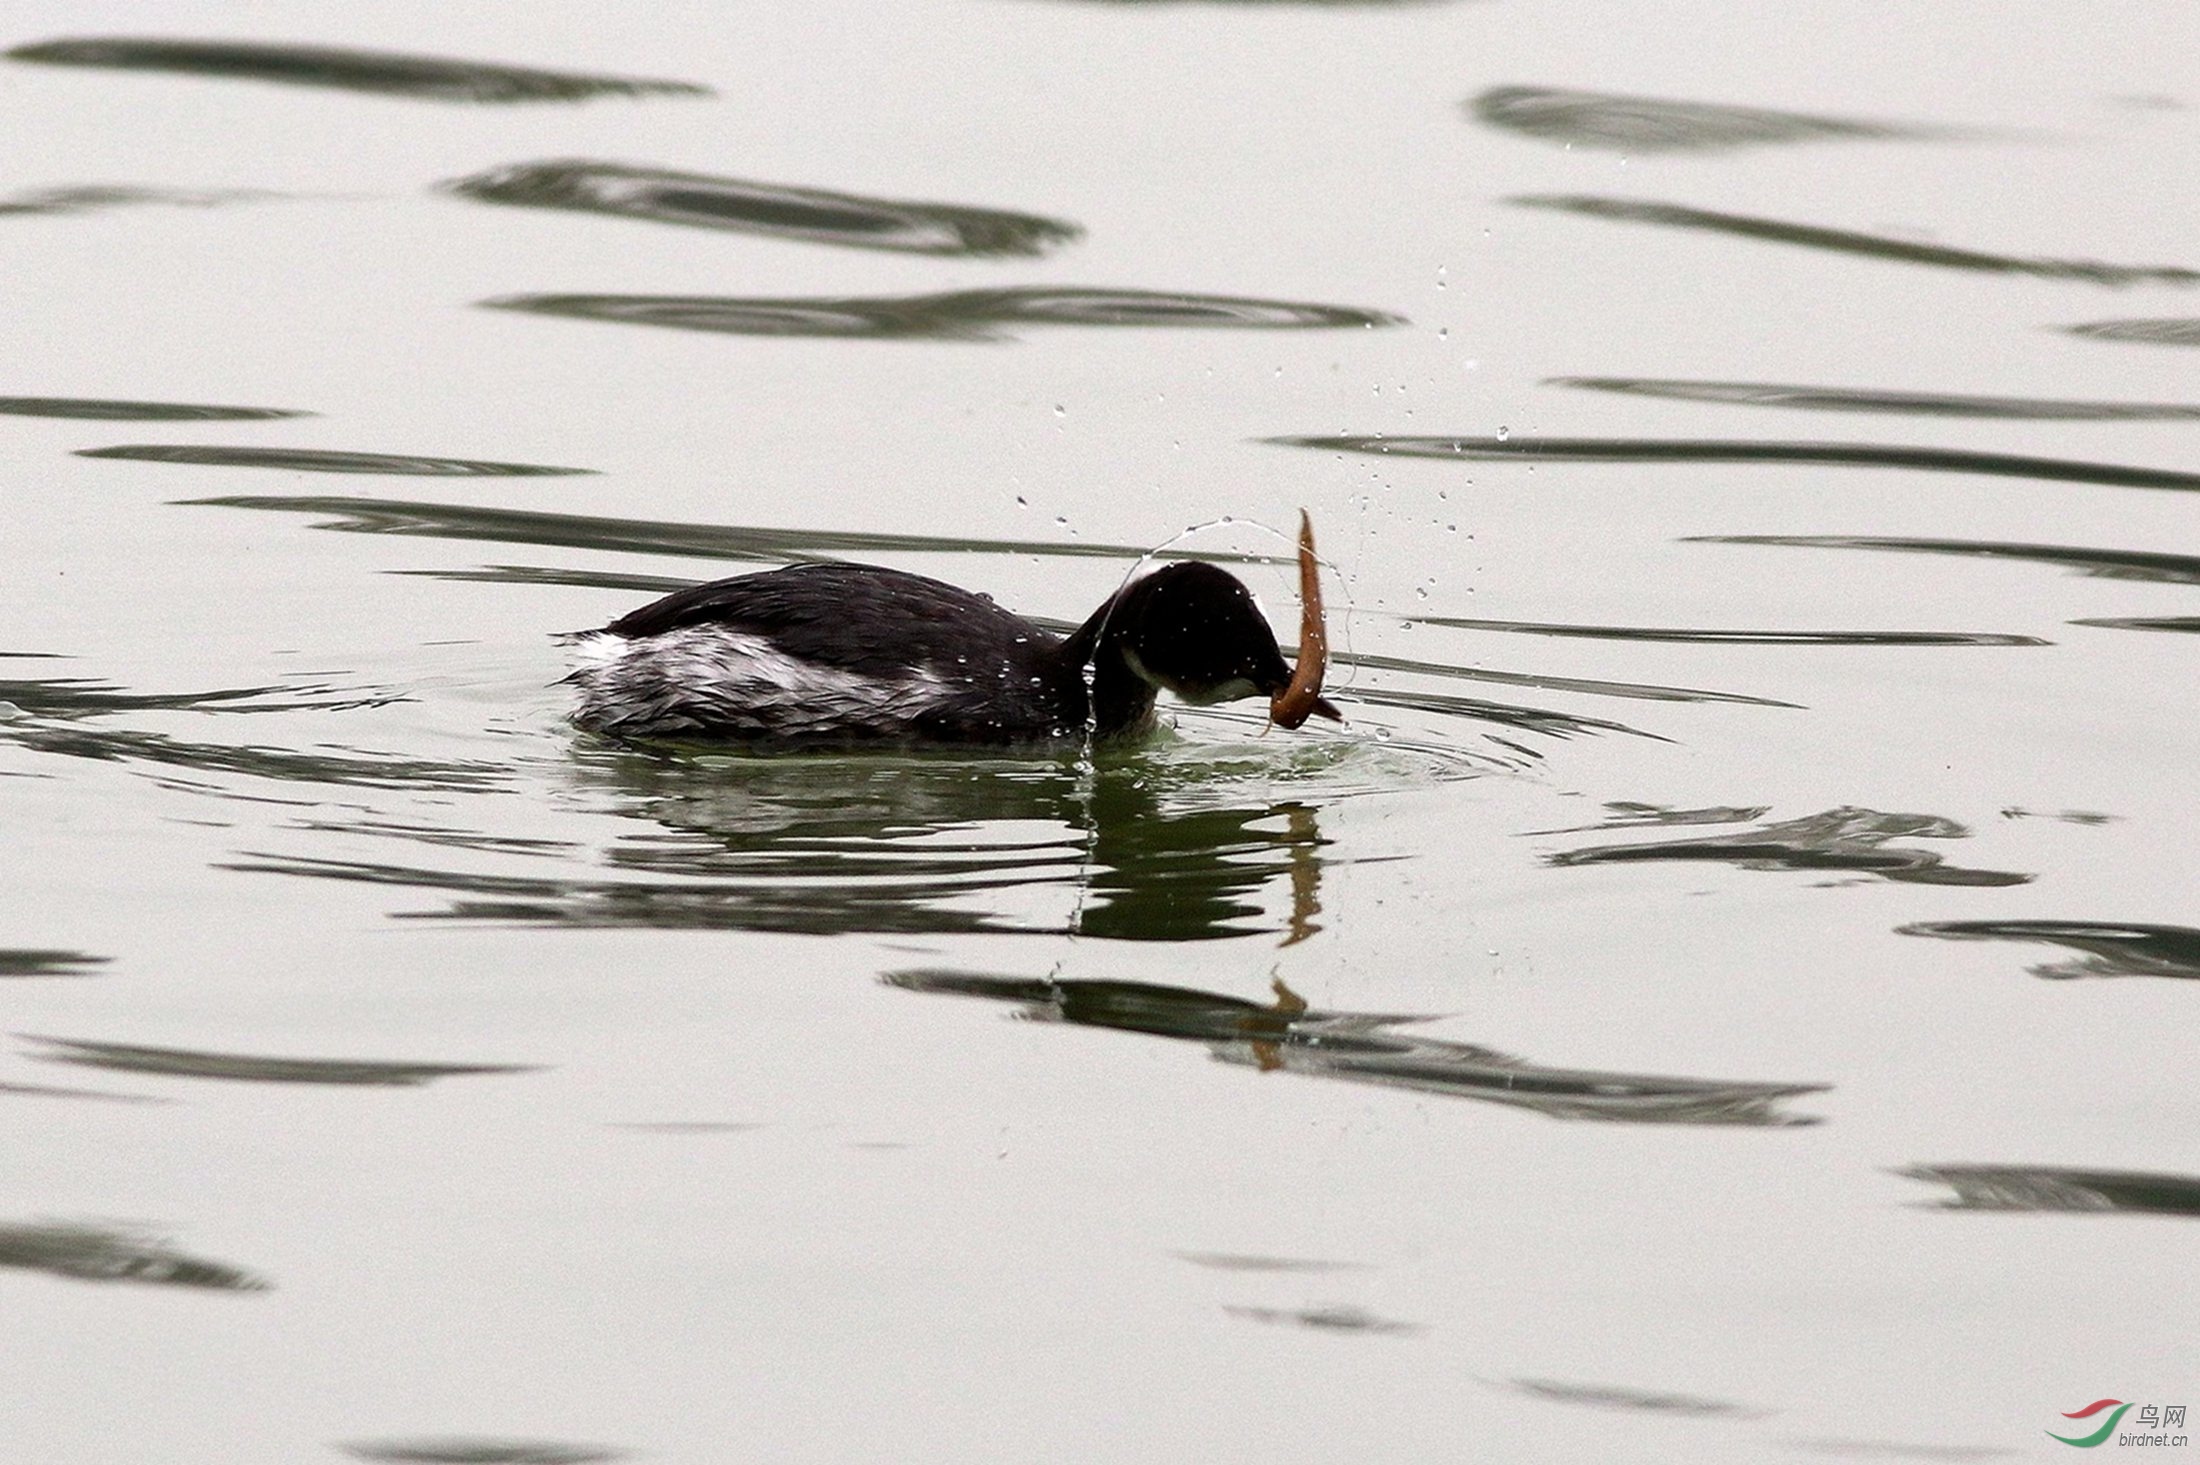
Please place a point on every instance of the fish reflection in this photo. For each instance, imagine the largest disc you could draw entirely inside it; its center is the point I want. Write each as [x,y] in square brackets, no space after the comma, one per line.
[471,1450]
[2171,332]
[114,1254]
[1846,839]
[1625,124]
[1133,851]
[87,198]
[1713,450]
[1363,1047]
[957,315]
[1849,241]
[191,1063]
[434,78]
[325,460]
[94,409]
[1862,399]
[31,961]
[2055,1188]
[2107,564]
[776,209]
[2110,949]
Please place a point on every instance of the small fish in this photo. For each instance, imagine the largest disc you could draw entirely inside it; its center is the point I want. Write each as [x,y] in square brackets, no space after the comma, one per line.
[1302,699]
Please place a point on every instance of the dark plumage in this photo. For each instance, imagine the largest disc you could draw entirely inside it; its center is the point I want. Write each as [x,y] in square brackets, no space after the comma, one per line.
[825,653]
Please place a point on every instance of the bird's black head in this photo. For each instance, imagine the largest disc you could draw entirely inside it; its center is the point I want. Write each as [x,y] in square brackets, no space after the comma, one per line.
[1195,630]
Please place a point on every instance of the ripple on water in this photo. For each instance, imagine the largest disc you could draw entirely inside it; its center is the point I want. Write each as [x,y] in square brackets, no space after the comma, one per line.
[1847,840]
[433,78]
[1862,399]
[1594,686]
[93,409]
[739,542]
[2172,332]
[1849,241]
[1720,450]
[2184,625]
[1866,1449]
[84,198]
[1693,636]
[1644,1401]
[85,697]
[779,210]
[74,717]
[1366,1048]
[83,736]
[325,460]
[2108,948]
[2059,1188]
[480,1450]
[105,1253]
[957,315]
[2107,564]
[36,961]
[1228,1261]
[254,1068]
[1625,124]
[1330,1318]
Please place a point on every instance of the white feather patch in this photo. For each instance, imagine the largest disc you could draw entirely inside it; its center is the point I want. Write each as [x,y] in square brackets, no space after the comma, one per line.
[709,679]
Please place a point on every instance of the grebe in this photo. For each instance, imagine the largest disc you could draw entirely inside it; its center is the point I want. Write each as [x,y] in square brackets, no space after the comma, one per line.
[834,654]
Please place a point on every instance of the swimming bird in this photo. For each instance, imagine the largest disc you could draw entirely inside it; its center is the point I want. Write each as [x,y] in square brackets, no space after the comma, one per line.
[841,654]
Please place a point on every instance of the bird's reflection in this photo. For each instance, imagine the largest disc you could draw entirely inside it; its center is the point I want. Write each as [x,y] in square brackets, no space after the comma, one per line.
[936,844]
[1365,1047]
[1179,843]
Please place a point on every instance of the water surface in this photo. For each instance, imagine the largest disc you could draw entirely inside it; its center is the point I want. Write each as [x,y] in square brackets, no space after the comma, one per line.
[1725,994]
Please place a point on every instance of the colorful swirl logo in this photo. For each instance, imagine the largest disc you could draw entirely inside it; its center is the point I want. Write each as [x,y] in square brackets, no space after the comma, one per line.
[2099,1436]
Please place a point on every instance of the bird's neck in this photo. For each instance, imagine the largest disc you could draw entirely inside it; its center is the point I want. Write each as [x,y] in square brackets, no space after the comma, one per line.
[1117,699]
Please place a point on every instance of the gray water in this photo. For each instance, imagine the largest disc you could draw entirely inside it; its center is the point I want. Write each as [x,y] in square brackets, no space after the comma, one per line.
[1727,993]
